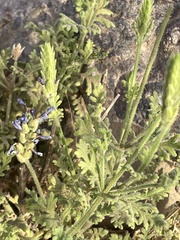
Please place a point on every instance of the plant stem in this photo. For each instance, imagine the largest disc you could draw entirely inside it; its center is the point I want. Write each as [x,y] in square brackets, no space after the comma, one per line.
[77,226]
[126,126]
[36,181]
[134,189]
[9,104]
[144,140]
[61,135]
[154,148]
[148,69]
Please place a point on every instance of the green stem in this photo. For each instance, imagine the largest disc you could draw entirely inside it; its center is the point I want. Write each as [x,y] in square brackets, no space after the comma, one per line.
[36,181]
[102,173]
[125,129]
[134,189]
[136,62]
[9,104]
[144,140]
[148,69]
[61,135]
[77,226]
[154,148]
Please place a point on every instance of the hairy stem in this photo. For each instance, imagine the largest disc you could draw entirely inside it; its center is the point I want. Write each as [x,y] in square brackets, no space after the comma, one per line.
[154,148]
[36,181]
[134,189]
[9,104]
[148,69]
[126,126]
[77,226]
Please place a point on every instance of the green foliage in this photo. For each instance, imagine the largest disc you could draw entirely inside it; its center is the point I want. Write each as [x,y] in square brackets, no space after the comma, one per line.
[4,58]
[92,13]
[143,25]
[77,180]
[171,89]
[4,163]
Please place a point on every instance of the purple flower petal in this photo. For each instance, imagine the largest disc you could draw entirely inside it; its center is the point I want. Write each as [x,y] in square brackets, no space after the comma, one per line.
[49,110]
[12,150]
[32,113]
[45,137]
[23,118]
[36,141]
[20,101]
[37,153]
[44,116]
[38,131]
[41,81]
[17,124]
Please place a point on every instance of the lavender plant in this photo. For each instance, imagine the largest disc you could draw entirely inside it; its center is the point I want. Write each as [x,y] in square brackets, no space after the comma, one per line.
[75,182]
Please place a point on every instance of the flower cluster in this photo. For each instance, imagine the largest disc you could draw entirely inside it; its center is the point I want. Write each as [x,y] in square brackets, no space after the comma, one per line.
[30,134]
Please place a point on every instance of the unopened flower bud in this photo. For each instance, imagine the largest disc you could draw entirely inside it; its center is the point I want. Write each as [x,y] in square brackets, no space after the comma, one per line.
[25,128]
[12,150]
[22,138]
[17,51]
[44,116]
[20,101]
[41,81]
[20,148]
[17,124]
[27,155]
[171,93]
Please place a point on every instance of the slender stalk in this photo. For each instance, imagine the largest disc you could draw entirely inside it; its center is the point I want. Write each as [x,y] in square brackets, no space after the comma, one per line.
[148,69]
[36,181]
[61,135]
[144,140]
[126,126]
[138,52]
[47,159]
[134,189]
[102,173]
[78,225]
[154,148]
[9,104]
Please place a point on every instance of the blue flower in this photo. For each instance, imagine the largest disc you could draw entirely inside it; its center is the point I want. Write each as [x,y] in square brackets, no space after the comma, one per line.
[44,116]
[36,141]
[17,124]
[32,113]
[19,121]
[41,81]
[37,153]
[20,101]
[12,150]
[45,137]
[23,118]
